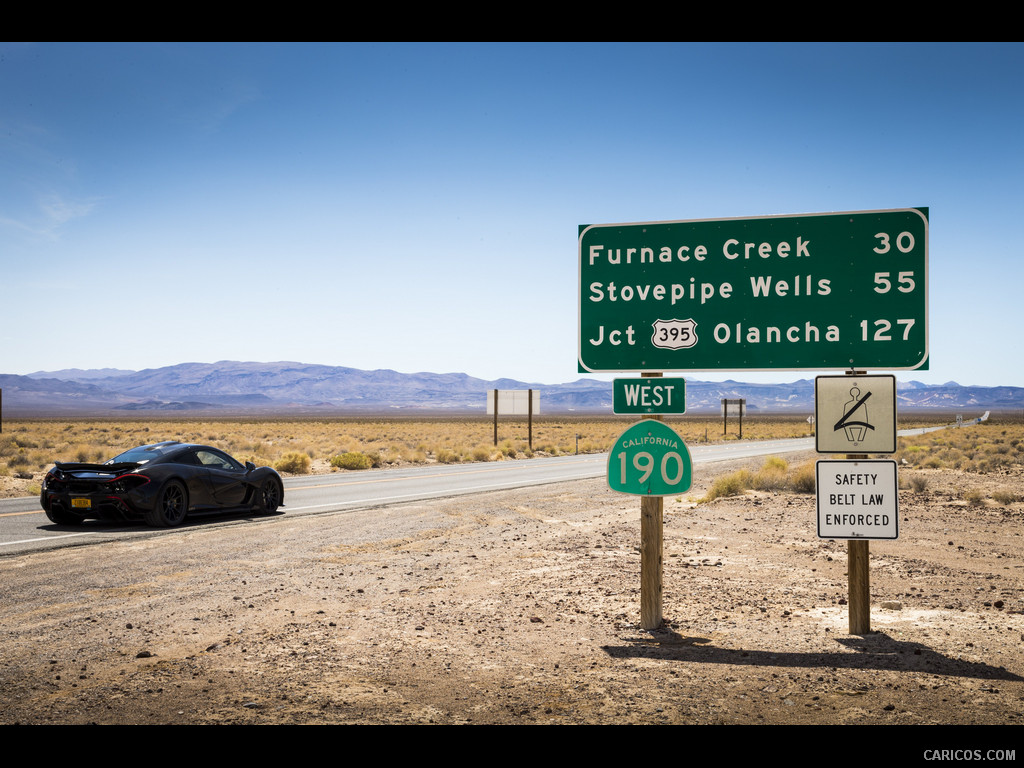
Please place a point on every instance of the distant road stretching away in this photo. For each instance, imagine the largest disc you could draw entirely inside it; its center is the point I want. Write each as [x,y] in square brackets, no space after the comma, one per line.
[24,527]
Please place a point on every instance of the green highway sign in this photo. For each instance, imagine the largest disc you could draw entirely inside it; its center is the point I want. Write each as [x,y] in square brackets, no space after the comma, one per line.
[650,459]
[803,292]
[648,396]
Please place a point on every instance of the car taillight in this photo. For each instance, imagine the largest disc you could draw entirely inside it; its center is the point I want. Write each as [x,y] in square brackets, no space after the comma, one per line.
[128,482]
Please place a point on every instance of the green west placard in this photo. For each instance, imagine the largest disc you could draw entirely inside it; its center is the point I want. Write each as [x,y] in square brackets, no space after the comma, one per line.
[648,396]
[804,292]
[650,459]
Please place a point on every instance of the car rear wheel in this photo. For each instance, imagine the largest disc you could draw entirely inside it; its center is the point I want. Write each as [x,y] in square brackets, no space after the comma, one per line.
[170,508]
[270,496]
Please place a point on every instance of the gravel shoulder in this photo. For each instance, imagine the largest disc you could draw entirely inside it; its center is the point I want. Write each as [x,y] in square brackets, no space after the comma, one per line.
[523,607]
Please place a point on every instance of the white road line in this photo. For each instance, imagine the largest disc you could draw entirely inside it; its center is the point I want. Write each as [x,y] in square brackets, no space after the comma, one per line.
[48,538]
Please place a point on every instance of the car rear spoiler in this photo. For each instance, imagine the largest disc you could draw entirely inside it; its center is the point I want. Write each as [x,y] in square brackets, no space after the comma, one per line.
[75,466]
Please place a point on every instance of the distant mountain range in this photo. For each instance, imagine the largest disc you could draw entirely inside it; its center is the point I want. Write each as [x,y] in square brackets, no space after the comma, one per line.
[287,388]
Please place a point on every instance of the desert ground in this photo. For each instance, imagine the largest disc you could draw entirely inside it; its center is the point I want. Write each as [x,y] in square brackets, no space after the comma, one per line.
[523,607]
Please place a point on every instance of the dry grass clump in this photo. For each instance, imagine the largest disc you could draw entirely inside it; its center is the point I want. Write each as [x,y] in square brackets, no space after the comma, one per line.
[774,475]
[483,453]
[447,456]
[918,483]
[352,460]
[771,476]
[294,463]
[803,478]
[733,484]
[974,497]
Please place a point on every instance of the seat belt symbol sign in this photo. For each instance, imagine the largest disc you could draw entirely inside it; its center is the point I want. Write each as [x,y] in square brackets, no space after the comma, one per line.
[855,417]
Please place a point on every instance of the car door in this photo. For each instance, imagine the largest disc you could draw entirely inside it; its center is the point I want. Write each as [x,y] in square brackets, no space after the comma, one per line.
[197,478]
[226,477]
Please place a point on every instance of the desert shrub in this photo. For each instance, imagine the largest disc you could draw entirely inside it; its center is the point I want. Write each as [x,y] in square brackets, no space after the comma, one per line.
[447,456]
[803,478]
[774,475]
[733,484]
[351,460]
[919,483]
[294,462]
[975,498]
[771,476]
[1005,497]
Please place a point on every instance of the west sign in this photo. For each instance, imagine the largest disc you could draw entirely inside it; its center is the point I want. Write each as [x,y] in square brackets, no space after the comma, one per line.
[805,292]
[647,396]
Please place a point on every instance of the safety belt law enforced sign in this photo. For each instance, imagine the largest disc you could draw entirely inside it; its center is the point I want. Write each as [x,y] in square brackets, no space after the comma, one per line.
[857,499]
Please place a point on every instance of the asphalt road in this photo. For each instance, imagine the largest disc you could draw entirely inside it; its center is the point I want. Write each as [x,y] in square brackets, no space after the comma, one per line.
[24,527]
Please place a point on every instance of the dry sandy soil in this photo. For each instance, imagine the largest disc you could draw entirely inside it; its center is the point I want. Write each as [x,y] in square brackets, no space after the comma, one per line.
[523,607]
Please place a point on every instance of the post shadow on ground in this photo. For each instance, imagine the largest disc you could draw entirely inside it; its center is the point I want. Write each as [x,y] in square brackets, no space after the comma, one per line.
[875,651]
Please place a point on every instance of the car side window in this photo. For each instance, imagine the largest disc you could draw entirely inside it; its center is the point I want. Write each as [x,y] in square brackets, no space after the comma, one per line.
[187,457]
[217,460]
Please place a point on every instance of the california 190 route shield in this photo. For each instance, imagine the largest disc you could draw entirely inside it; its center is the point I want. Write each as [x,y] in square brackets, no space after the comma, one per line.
[650,459]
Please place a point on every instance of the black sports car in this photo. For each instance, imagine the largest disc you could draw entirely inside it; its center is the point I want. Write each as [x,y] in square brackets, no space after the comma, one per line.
[161,483]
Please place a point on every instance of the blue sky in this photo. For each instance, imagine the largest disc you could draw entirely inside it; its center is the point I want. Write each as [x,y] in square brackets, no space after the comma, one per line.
[415,207]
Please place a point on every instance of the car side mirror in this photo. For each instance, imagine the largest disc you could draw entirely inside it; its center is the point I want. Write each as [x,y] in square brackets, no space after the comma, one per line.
[249,466]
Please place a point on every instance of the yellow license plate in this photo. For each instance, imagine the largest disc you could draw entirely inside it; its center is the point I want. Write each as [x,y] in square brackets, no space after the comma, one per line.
[81,503]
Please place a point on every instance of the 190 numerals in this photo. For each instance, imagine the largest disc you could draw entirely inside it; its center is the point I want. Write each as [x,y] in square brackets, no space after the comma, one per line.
[645,463]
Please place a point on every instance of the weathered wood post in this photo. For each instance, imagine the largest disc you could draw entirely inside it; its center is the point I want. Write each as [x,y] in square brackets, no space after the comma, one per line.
[651,546]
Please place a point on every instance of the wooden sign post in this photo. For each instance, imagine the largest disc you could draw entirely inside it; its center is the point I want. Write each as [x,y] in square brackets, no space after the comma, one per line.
[652,537]
[514,402]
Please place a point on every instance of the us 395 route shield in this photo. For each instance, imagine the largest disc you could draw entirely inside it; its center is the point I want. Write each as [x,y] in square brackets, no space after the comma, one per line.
[803,292]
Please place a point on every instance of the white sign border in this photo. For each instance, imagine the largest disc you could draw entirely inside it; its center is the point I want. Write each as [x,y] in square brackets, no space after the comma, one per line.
[579,300]
[854,536]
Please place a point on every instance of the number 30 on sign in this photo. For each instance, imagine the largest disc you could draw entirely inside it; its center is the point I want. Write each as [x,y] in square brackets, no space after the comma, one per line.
[650,459]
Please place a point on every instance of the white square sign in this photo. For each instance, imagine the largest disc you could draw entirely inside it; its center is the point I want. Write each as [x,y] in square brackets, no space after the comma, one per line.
[855,414]
[857,499]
